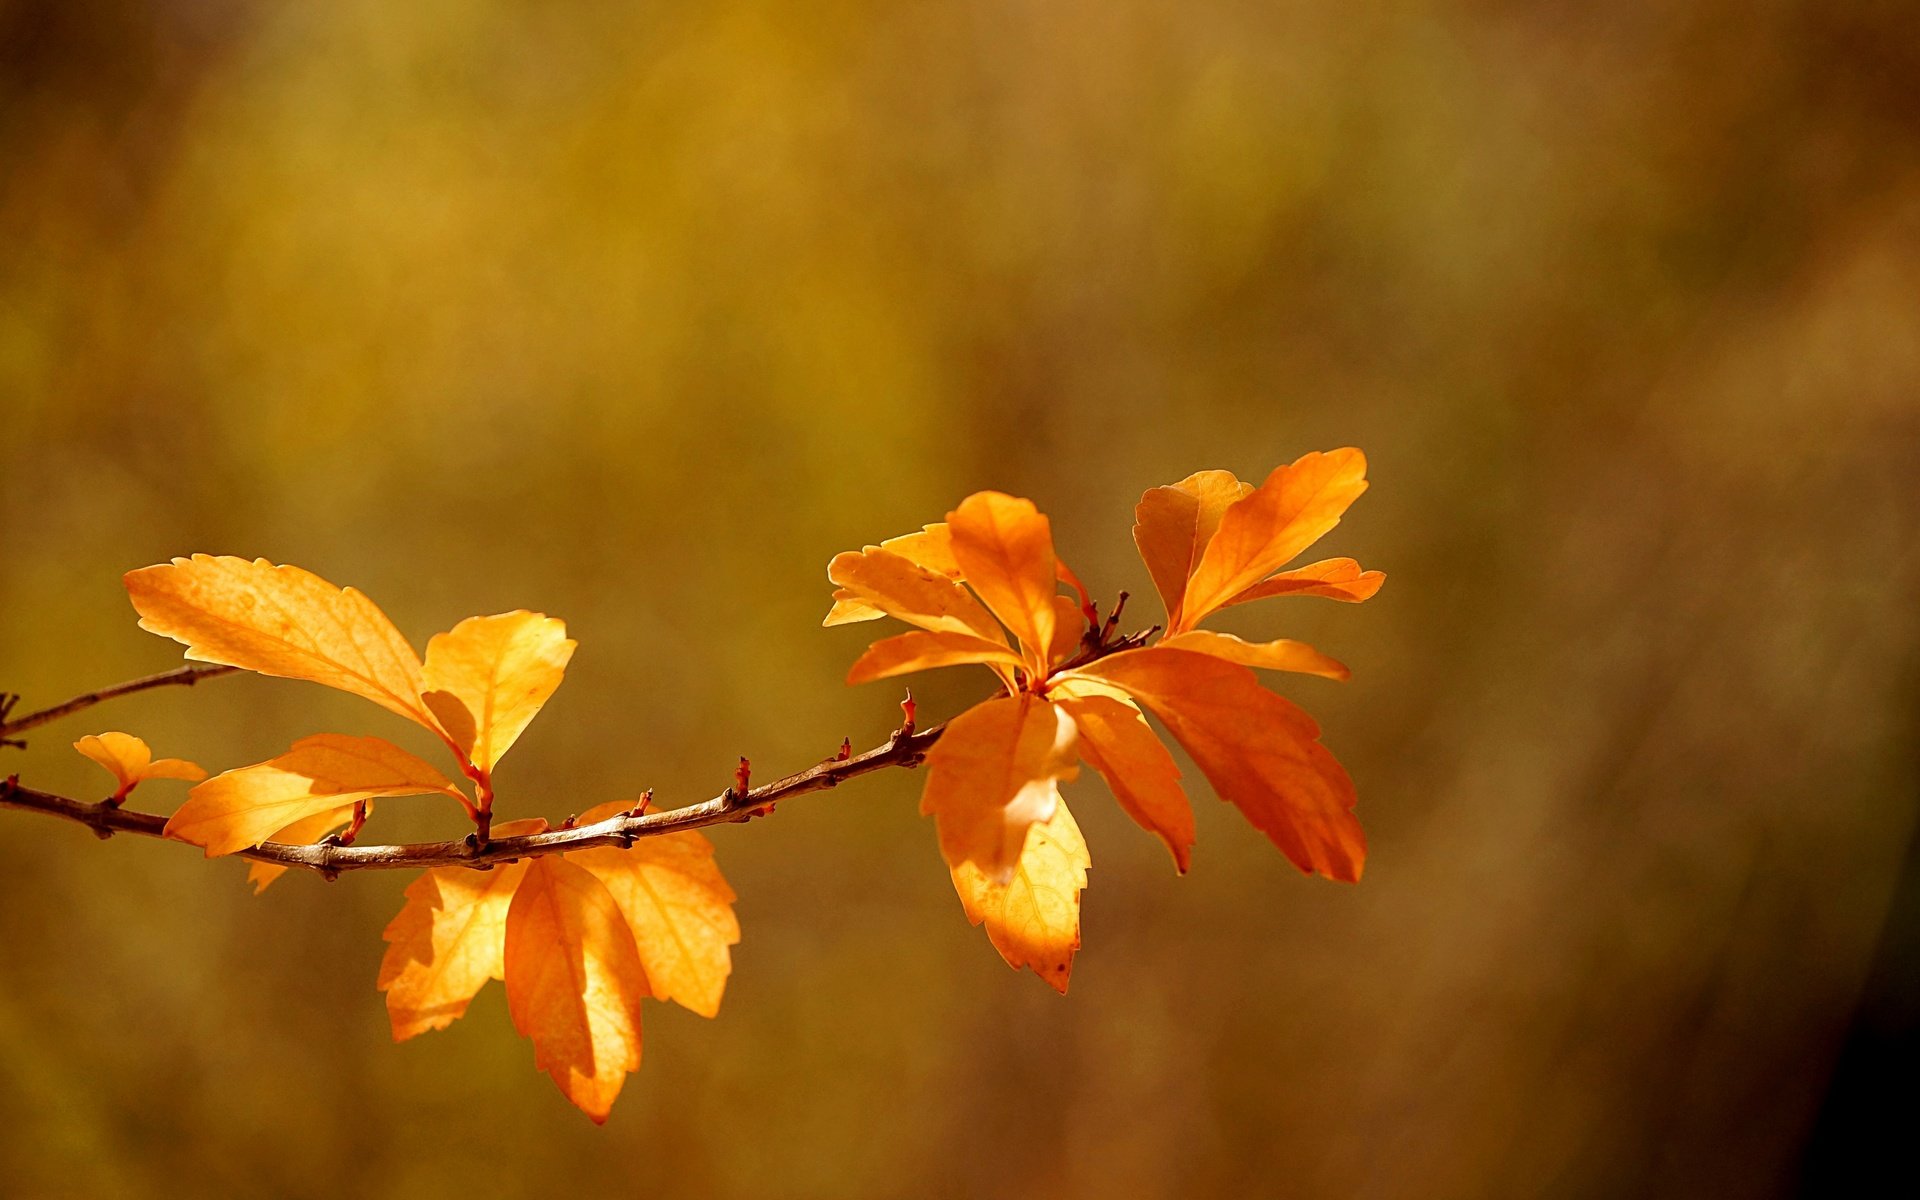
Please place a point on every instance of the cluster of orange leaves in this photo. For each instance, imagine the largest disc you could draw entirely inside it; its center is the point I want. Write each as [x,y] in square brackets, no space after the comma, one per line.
[578,938]
[581,938]
[984,587]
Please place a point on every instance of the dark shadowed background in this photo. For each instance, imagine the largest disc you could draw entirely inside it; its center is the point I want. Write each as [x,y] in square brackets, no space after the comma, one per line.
[637,314]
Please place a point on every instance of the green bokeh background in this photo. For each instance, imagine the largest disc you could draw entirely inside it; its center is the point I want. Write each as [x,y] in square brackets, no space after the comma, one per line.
[637,314]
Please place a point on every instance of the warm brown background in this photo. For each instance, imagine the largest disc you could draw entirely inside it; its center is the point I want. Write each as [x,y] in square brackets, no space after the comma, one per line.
[636,314]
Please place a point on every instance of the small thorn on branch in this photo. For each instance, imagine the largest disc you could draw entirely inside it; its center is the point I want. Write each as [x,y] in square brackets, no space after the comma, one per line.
[846,750]
[907,712]
[641,805]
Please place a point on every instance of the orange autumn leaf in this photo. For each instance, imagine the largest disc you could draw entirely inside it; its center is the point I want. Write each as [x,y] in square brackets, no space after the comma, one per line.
[1173,524]
[1266,529]
[485,679]
[1334,578]
[922,650]
[448,940]
[281,621]
[904,589]
[574,981]
[677,905]
[1258,750]
[304,832]
[931,547]
[1033,919]
[245,807]
[1116,741]
[849,609]
[131,762]
[1277,655]
[994,772]
[1004,549]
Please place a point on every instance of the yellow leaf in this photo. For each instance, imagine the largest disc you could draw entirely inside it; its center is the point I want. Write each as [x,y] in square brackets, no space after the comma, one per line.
[247,806]
[904,589]
[1258,750]
[922,650]
[1116,741]
[280,621]
[993,773]
[574,981]
[932,548]
[1334,578]
[488,677]
[1279,655]
[131,762]
[447,940]
[1033,919]
[1004,547]
[1261,533]
[304,832]
[678,906]
[1172,526]
[849,609]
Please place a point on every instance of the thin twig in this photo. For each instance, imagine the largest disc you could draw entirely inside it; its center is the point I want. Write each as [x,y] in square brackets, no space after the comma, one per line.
[187,676]
[618,831]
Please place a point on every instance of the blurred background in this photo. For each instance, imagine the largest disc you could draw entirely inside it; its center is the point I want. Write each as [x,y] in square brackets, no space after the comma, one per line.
[637,314]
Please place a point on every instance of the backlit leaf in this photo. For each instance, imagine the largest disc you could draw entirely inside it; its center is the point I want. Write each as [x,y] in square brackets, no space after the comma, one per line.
[245,807]
[1262,532]
[922,650]
[849,609]
[1004,548]
[1172,526]
[1258,750]
[574,981]
[1116,741]
[448,939]
[1033,919]
[931,547]
[678,906]
[993,773]
[904,589]
[487,678]
[131,762]
[280,621]
[1334,578]
[1279,655]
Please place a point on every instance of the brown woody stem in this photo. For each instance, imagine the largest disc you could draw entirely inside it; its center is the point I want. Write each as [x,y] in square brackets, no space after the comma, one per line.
[618,831]
[187,676]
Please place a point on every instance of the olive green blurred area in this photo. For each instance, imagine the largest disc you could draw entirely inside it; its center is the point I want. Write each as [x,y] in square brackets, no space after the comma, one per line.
[636,315]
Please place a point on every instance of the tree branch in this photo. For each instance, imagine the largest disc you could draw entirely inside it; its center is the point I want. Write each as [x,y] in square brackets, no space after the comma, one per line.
[187,676]
[904,749]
